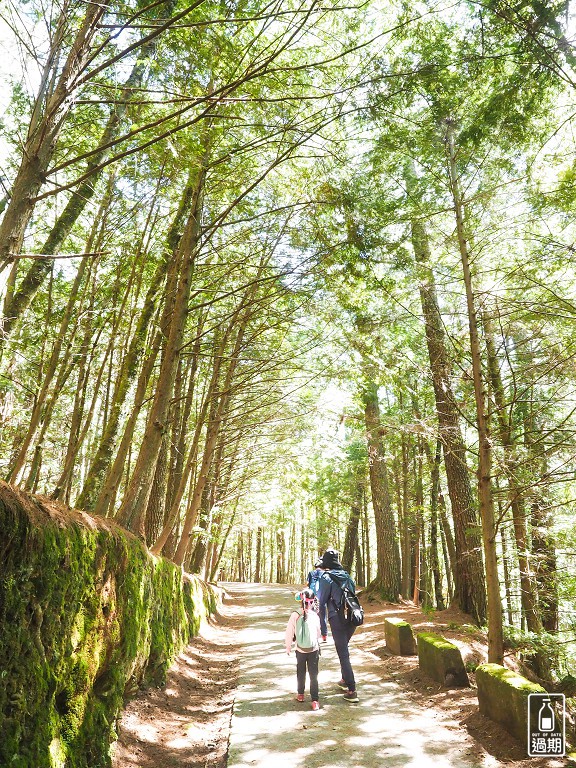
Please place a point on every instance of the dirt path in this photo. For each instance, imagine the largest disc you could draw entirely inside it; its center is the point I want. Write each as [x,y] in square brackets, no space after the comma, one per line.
[186,724]
[403,719]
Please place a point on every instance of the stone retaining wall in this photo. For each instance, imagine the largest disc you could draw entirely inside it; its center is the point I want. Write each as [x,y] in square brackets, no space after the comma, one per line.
[87,616]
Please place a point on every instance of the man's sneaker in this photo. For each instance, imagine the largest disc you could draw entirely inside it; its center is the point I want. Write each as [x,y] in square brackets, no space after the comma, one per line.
[324,638]
[300,697]
[342,685]
[315,706]
[351,696]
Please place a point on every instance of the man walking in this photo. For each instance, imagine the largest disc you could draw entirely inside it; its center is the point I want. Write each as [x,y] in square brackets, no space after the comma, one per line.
[330,595]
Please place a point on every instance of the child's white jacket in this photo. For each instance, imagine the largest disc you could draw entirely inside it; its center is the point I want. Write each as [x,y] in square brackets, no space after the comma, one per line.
[314,620]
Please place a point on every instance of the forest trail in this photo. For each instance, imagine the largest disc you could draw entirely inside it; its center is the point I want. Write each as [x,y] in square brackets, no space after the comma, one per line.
[232,691]
[386,728]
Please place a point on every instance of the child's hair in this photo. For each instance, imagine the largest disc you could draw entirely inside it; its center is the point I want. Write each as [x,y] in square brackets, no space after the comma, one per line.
[308,599]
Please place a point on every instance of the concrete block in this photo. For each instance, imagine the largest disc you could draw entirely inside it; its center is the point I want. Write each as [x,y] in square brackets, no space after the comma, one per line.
[441,660]
[503,697]
[399,637]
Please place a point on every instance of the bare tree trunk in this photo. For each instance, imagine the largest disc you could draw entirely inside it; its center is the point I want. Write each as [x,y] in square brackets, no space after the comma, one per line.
[258,569]
[212,435]
[351,539]
[426,574]
[220,552]
[366,539]
[55,360]
[39,412]
[387,581]
[418,528]
[181,420]
[470,593]
[208,500]
[434,496]
[292,552]
[208,401]
[448,545]
[157,501]
[280,557]
[543,552]
[489,528]
[406,521]
[241,558]
[241,317]
[78,430]
[507,580]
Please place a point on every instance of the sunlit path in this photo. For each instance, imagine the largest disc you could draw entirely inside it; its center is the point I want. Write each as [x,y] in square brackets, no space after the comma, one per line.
[271,730]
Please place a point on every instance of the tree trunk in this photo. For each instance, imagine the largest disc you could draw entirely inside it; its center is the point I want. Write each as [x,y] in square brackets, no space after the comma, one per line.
[387,581]
[132,512]
[434,497]
[80,198]
[366,539]
[418,529]
[50,371]
[351,538]
[470,592]
[541,518]
[50,109]
[280,557]
[258,569]
[507,580]
[220,551]
[105,501]
[39,412]
[100,464]
[209,401]
[486,501]
[406,529]
[528,586]
[157,501]
[212,436]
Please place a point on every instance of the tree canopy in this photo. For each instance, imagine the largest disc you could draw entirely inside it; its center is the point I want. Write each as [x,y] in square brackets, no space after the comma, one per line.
[277,277]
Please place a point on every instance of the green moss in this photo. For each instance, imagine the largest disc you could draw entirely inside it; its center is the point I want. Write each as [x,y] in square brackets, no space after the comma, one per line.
[87,616]
[437,640]
[398,622]
[510,678]
[503,697]
[441,660]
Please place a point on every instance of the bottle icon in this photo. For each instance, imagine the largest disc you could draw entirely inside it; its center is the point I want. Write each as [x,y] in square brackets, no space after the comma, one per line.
[546,717]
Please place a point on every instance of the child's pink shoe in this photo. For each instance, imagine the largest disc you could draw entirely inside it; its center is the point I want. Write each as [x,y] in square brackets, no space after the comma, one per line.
[300,697]
[315,706]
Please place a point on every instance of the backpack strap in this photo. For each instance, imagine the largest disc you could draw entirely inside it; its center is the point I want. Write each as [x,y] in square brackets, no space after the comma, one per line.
[334,581]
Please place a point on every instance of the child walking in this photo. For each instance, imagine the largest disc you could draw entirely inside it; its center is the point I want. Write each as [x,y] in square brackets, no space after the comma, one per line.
[304,629]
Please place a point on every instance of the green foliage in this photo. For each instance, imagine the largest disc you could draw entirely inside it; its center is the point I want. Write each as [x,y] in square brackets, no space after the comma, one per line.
[549,645]
[316,174]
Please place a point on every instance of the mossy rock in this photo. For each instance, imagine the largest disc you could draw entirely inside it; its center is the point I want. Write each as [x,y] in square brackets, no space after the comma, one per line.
[399,637]
[87,615]
[441,660]
[503,697]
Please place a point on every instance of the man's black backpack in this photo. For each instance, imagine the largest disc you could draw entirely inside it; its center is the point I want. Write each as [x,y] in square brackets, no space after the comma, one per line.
[349,606]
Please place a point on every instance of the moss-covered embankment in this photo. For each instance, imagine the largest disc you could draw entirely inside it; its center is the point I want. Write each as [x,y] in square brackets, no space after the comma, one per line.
[86,616]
